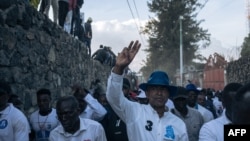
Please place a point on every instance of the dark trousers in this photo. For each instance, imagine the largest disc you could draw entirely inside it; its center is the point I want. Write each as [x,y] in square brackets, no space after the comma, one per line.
[63,11]
[44,4]
[88,44]
[75,23]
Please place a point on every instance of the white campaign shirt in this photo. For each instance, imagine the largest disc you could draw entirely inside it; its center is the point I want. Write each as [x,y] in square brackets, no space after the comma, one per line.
[218,106]
[214,129]
[142,121]
[14,125]
[42,125]
[94,109]
[90,130]
[170,104]
[206,114]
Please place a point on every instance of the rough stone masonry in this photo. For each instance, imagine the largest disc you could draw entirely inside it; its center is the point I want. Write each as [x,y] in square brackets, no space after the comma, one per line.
[36,53]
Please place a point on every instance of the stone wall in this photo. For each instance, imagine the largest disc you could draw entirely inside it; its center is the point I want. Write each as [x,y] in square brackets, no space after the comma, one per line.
[36,53]
[238,71]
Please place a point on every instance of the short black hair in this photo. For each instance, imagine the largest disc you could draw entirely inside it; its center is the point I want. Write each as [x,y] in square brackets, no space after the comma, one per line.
[241,93]
[126,83]
[229,93]
[5,87]
[71,98]
[43,91]
[210,93]
[231,87]
[15,99]
[241,106]
[13,96]
[3,92]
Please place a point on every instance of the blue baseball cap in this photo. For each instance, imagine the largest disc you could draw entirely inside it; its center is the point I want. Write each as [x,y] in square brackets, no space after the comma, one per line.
[192,87]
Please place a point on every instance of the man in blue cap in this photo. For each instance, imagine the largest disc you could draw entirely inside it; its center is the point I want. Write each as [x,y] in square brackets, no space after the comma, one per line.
[192,94]
[145,122]
[192,118]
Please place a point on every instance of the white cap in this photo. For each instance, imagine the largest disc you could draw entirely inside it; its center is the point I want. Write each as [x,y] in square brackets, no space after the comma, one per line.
[199,88]
[141,94]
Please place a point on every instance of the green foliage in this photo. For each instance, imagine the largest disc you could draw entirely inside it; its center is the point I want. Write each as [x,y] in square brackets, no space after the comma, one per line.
[164,35]
[245,51]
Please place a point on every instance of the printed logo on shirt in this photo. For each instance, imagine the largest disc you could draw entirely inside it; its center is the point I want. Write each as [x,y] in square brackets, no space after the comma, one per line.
[169,133]
[3,124]
[42,135]
[149,125]
[49,126]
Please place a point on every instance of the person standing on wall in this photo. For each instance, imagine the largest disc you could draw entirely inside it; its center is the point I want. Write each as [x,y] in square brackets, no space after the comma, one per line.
[63,6]
[88,34]
[44,7]
[76,21]
[54,4]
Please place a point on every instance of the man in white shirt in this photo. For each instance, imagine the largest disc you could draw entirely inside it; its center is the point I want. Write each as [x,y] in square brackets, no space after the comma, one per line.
[214,130]
[89,106]
[192,102]
[218,104]
[14,125]
[44,119]
[151,122]
[72,127]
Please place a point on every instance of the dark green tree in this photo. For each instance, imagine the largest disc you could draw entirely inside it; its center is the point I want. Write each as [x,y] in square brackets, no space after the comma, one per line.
[245,51]
[164,35]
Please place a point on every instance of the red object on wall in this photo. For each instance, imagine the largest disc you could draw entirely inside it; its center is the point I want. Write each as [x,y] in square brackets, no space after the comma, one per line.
[213,75]
[214,78]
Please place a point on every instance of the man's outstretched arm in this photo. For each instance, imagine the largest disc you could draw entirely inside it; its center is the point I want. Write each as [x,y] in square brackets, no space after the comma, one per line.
[115,94]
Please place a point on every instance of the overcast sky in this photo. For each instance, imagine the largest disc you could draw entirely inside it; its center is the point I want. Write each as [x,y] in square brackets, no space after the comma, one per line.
[114,25]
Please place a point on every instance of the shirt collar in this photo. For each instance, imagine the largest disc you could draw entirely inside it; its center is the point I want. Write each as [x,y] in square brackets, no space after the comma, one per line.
[66,134]
[155,112]
[179,114]
[227,121]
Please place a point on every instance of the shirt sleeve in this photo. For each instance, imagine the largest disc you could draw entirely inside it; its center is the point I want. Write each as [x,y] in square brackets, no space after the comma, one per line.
[52,136]
[125,109]
[101,136]
[98,110]
[21,127]
[206,134]
[208,116]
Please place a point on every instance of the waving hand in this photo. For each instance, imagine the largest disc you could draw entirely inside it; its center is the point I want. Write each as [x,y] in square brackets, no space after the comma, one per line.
[126,56]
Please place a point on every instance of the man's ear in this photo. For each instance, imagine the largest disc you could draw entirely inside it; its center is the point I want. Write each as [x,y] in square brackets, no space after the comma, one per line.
[7,96]
[147,94]
[78,111]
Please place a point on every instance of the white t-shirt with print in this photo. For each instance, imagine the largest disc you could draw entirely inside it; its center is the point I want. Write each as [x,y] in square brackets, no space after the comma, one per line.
[14,125]
[42,125]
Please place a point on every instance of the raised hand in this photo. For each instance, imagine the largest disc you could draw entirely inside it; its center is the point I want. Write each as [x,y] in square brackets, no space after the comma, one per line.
[126,56]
